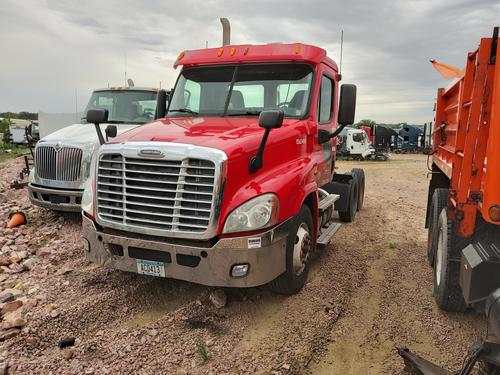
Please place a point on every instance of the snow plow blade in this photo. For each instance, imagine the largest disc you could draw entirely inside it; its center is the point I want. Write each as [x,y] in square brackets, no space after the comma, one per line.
[416,365]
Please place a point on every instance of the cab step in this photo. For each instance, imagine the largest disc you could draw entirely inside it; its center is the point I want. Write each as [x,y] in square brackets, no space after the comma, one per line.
[328,201]
[328,233]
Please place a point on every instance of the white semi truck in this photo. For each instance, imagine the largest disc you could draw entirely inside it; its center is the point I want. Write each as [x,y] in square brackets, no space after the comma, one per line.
[62,159]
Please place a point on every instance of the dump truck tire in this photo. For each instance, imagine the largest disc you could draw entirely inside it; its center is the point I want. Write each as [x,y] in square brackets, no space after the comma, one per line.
[352,206]
[360,173]
[447,291]
[439,201]
[298,252]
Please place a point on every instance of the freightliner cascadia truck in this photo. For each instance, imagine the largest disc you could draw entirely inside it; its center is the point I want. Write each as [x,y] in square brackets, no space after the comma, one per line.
[236,186]
[62,159]
[463,212]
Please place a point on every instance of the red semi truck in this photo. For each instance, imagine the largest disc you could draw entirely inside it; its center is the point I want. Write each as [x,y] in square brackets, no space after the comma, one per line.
[463,211]
[236,185]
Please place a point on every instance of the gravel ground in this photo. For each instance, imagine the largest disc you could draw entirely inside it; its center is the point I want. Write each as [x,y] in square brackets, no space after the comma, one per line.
[368,292]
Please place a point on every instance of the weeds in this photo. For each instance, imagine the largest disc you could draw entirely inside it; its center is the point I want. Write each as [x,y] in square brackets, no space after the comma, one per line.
[392,245]
[202,350]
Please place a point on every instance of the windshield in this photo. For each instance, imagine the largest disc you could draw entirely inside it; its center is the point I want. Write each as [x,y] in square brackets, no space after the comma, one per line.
[131,107]
[243,90]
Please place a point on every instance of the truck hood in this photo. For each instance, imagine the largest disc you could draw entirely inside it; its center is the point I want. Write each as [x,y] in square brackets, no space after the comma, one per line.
[234,136]
[82,133]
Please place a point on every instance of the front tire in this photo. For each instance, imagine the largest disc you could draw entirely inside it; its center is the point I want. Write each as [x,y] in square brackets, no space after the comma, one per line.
[447,291]
[439,201]
[298,252]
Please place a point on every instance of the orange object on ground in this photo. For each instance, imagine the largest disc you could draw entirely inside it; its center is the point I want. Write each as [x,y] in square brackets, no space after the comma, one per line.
[447,71]
[16,219]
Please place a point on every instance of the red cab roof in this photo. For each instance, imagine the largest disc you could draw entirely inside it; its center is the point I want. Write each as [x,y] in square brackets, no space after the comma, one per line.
[255,53]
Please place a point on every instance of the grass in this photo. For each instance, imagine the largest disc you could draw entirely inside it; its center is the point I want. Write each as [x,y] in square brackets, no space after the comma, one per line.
[9,151]
[202,350]
[392,245]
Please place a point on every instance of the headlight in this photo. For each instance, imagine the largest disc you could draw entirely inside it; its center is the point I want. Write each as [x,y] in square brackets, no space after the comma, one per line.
[88,192]
[88,197]
[257,213]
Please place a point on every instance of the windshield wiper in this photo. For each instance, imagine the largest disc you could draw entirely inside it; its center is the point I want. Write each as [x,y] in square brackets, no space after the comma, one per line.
[247,113]
[184,110]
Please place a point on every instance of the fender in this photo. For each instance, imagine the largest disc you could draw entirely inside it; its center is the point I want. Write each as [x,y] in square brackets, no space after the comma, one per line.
[292,183]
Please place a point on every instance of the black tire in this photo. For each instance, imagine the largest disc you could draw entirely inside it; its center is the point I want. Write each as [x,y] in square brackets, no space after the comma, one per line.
[361,186]
[439,201]
[290,282]
[447,291]
[352,205]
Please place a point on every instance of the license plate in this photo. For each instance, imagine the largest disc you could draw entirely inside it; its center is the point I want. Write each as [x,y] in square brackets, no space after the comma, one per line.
[147,267]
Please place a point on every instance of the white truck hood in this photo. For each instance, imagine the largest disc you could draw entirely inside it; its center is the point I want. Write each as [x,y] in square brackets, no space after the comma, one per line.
[82,133]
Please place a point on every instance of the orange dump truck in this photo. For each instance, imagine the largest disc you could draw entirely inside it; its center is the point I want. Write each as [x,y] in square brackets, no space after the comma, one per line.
[463,210]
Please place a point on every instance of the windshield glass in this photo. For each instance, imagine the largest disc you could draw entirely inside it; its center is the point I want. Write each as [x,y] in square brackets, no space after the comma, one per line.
[131,107]
[243,90]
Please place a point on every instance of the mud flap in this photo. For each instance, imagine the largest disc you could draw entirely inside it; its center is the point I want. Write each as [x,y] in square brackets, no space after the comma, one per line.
[416,365]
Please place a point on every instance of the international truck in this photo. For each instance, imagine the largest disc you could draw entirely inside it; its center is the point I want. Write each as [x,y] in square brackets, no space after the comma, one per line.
[463,211]
[236,186]
[62,158]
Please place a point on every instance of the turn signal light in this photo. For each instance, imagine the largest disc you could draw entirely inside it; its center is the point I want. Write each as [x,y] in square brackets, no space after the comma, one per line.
[495,213]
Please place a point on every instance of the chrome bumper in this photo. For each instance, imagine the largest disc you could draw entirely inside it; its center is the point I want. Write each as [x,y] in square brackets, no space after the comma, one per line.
[265,255]
[70,199]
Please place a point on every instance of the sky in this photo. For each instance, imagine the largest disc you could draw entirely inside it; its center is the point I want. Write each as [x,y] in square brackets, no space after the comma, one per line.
[54,53]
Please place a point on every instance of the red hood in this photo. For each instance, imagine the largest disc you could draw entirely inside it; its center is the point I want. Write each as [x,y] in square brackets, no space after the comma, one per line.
[231,135]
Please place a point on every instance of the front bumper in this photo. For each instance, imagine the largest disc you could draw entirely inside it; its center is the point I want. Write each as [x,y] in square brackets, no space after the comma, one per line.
[209,266]
[56,199]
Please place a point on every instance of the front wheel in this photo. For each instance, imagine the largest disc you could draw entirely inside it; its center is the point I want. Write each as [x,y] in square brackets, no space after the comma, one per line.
[447,291]
[298,252]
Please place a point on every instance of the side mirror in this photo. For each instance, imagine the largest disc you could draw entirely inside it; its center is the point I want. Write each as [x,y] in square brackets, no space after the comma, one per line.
[111,131]
[96,117]
[271,119]
[347,104]
[161,104]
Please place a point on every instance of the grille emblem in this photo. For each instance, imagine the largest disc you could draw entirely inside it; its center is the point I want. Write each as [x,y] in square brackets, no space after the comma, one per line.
[151,152]
[57,146]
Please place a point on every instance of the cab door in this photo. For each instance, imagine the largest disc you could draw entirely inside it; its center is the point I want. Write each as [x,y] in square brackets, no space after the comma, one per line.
[325,118]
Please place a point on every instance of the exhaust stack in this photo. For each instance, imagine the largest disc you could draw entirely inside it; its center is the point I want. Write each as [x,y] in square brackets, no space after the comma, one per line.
[226,31]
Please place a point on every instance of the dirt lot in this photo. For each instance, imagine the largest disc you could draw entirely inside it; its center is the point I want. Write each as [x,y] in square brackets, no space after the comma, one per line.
[368,292]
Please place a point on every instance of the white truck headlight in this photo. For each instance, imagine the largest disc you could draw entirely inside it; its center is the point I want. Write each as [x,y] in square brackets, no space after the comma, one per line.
[88,197]
[257,213]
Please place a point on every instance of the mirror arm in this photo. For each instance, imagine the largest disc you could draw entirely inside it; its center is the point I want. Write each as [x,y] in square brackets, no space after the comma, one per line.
[256,161]
[337,132]
[99,133]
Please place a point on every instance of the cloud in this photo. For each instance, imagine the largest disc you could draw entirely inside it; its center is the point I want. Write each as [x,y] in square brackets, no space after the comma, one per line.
[52,48]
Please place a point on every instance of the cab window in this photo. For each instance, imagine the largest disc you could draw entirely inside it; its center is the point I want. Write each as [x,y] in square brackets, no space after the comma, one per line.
[325,105]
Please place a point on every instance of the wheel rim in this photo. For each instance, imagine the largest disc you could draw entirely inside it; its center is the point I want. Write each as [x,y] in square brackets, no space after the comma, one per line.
[438,261]
[301,249]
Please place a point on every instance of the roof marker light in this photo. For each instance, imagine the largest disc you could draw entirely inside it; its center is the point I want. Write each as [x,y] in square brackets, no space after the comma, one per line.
[220,52]
[245,51]
[233,51]
[181,56]
[297,49]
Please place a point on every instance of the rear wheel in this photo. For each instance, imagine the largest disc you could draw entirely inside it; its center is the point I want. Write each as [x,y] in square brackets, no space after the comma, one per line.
[361,186]
[352,206]
[439,202]
[298,252]
[447,291]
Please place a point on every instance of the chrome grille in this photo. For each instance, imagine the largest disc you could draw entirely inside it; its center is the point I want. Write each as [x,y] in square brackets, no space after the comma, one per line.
[165,195]
[63,164]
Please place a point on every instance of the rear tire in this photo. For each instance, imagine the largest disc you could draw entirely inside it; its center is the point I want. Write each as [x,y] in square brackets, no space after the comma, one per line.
[439,201]
[352,205]
[447,291]
[361,186]
[298,252]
